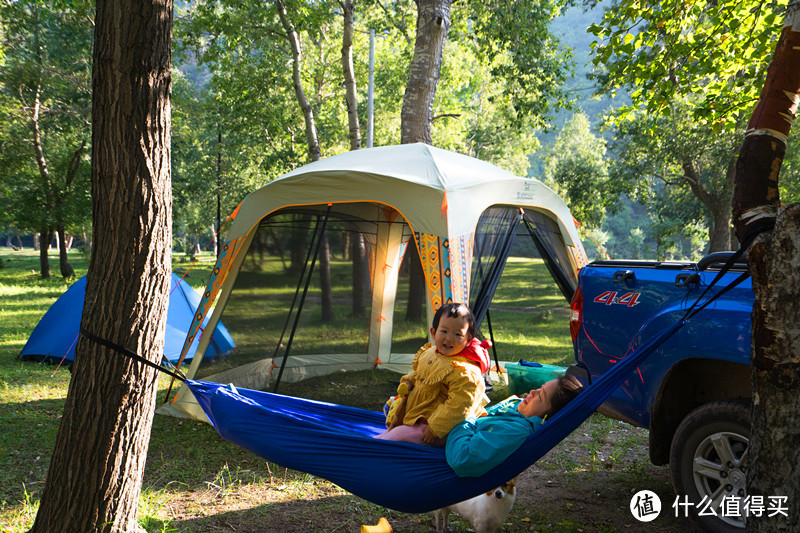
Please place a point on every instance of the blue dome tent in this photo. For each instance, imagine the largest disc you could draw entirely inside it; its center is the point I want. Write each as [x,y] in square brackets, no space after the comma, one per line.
[55,336]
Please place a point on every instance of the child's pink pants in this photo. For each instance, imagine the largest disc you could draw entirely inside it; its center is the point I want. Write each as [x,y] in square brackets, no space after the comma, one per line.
[411,434]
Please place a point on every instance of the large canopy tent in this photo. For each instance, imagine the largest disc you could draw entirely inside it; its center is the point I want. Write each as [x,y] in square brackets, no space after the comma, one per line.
[459,212]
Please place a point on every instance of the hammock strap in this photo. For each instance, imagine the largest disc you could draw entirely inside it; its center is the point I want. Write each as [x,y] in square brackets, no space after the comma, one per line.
[743,276]
[175,373]
[303,297]
[696,306]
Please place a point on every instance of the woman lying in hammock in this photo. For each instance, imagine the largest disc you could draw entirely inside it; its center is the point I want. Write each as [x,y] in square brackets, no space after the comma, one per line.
[477,445]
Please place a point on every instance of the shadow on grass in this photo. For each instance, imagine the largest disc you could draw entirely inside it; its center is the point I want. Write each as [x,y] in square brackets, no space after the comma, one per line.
[344,513]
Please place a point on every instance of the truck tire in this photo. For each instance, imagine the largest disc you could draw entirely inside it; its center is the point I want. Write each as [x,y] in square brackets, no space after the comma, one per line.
[708,458]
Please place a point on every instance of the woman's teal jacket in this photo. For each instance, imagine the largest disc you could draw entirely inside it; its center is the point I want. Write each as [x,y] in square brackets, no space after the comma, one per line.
[477,445]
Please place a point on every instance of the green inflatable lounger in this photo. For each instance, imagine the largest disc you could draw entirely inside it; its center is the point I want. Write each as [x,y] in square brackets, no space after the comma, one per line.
[525,375]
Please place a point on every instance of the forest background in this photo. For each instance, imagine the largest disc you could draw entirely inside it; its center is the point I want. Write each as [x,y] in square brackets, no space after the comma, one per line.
[559,92]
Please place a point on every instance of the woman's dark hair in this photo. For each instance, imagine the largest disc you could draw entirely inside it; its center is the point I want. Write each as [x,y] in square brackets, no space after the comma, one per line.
[568,388]
[455,310]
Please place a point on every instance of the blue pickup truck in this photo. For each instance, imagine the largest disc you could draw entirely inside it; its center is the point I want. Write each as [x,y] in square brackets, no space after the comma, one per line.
[693,393]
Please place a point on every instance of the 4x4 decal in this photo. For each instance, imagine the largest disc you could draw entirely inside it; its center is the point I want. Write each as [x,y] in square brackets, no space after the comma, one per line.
[610,297]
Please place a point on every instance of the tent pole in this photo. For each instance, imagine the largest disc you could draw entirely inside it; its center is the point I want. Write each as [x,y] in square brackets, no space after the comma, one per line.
[491,338]
[302,299]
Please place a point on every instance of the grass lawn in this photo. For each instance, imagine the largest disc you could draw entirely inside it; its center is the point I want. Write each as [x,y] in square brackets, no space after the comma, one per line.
[197,482]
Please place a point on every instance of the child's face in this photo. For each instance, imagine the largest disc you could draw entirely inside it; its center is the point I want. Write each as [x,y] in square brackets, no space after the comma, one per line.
[452,336]
[538,402]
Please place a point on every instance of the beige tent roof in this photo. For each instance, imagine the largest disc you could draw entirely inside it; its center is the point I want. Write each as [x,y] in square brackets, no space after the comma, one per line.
[412,178]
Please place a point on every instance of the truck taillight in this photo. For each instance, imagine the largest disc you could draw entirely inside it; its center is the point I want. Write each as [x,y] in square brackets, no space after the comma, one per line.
[576,314]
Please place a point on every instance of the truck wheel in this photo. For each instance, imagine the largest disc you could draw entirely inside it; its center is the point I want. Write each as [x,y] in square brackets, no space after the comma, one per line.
[708,461]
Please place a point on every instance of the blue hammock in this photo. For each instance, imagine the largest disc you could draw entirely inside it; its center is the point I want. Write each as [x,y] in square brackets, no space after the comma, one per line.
[336,442]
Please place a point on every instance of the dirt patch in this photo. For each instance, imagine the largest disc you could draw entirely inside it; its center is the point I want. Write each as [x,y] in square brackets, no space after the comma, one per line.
[587,482]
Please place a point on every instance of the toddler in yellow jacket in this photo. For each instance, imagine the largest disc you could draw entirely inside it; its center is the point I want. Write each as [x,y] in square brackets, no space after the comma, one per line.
[446,384]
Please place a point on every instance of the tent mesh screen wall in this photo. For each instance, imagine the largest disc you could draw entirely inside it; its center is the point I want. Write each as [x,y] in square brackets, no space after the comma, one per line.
[276,306]
[521,267]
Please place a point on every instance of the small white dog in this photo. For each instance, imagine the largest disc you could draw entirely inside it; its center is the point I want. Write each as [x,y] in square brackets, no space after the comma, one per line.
[485,512]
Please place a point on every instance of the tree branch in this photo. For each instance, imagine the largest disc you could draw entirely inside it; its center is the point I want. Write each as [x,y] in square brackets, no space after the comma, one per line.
[445,115]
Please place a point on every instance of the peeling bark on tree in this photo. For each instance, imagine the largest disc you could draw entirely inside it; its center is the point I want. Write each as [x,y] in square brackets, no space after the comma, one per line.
[774,454]
[774,256]
[94,479]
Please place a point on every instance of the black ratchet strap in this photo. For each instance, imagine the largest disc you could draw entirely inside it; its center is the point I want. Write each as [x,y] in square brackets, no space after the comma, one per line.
[126,352]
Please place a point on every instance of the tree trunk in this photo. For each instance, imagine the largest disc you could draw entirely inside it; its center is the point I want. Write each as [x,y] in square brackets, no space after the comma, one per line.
[719,232]
[774,453]
[45,237]
[358,247]
[67,272]
[325,287]
[433,20]
[87,241]
[44,173]
[325,279]
[312,139]
[717,203]
[298,245]
[195,246]
[416,286]
[349,77]
[94,479]
[65,267]
[361,281]
[9,240]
